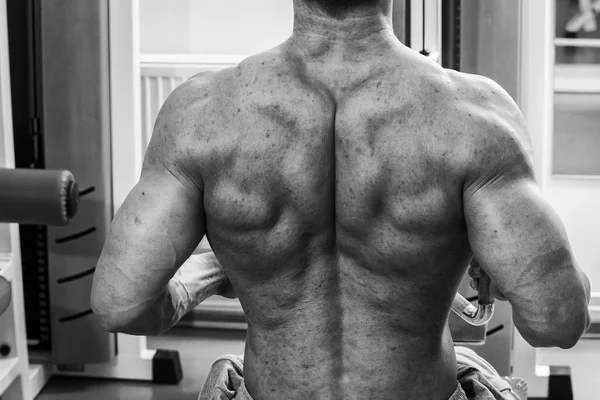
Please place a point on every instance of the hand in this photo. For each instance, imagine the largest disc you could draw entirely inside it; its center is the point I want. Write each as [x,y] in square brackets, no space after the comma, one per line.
[228,291]
[206,258]
[475,272]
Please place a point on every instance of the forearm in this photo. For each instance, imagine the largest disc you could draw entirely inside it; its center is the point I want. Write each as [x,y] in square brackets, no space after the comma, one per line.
[200,277]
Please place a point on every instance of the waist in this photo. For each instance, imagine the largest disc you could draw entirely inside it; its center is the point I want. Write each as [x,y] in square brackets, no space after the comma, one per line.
[302,362]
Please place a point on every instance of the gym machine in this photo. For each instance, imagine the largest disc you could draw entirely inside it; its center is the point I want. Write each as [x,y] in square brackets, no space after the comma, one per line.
[59,87]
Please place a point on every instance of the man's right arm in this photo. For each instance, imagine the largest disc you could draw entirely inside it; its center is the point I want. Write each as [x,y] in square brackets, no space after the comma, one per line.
[515,234]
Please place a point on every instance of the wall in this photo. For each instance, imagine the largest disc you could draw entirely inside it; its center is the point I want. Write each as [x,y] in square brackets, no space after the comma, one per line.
[576,201]
[213,27]
[6,128]
[4,228]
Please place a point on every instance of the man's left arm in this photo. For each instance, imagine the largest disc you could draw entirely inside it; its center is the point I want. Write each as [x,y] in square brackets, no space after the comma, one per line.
[138,285]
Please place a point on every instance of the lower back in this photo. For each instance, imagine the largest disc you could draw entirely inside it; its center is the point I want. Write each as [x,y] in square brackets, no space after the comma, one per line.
[346,339]
[341,328]
[277,366]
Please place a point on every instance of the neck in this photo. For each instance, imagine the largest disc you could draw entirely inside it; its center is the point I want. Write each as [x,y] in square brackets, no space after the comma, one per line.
[361,25]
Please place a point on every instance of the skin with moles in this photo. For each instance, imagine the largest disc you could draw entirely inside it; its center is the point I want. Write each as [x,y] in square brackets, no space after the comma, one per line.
[344,183]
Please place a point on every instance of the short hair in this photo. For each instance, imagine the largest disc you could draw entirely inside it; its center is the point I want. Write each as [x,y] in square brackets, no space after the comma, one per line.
[337,8]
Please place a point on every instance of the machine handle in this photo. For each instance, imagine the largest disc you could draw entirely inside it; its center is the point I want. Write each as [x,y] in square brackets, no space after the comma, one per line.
[483,313]
[37,197]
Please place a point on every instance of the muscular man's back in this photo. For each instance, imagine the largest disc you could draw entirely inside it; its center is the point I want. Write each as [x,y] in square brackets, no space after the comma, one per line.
[333,201]
[343,181]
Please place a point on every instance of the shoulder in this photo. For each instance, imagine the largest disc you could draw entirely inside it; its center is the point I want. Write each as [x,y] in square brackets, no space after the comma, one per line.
[186,109]
[201,89]
[179,126]
[491,131]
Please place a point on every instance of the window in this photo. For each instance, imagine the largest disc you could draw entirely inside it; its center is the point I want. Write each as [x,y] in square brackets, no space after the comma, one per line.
[577,88]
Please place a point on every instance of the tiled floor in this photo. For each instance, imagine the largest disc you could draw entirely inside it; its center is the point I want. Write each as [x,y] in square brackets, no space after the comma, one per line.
[197,348]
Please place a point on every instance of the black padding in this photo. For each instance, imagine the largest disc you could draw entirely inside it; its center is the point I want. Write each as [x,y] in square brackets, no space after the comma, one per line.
[166,367]
[37,197]
[560,387]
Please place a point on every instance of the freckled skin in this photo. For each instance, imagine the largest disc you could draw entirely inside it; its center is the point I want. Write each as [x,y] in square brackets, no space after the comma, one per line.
[339,201]
[330,209]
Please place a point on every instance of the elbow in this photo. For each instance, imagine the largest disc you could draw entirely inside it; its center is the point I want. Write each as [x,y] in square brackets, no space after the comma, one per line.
[100,303]
[564,332]
[106,308]
[564,340]
[577,326]
[107,322]
[135,321]
[114,322]
[110,317]
[109,325]
[106,317]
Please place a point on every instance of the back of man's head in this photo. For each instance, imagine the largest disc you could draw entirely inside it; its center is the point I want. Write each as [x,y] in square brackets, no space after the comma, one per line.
[338,8]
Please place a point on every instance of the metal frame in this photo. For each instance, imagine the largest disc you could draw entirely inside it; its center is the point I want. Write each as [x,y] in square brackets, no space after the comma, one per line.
[134,360]
[14,369]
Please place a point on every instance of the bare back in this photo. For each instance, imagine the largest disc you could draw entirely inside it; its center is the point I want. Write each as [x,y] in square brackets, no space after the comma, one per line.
[333,201]
[343,181]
